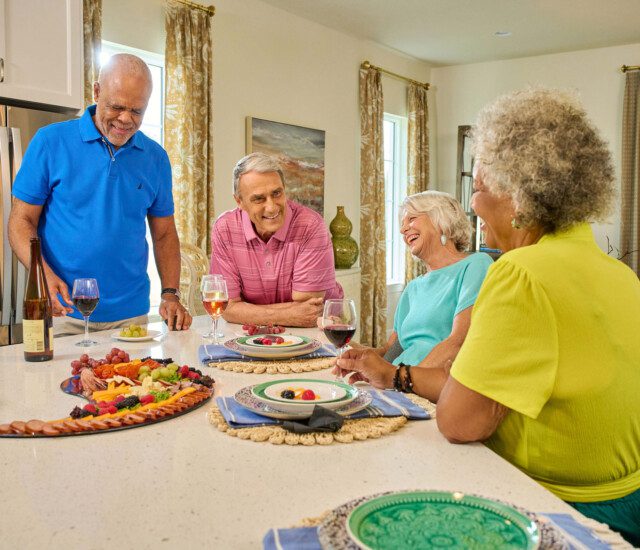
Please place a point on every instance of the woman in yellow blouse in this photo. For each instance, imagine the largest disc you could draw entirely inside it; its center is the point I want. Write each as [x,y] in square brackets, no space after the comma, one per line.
[549,374]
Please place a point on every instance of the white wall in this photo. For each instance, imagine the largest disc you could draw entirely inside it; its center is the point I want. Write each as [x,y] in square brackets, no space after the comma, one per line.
[460,92]
[271,64]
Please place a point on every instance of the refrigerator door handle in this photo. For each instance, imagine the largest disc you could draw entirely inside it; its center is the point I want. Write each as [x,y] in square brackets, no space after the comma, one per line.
[20,270]
[7,255]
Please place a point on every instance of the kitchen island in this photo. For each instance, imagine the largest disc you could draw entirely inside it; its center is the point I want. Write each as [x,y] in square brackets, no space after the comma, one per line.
[183,484]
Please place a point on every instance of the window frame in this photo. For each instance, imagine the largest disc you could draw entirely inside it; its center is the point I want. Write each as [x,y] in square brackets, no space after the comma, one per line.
[396,276]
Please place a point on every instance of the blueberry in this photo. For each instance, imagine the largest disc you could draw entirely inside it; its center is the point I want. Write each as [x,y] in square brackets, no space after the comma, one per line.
[287,394]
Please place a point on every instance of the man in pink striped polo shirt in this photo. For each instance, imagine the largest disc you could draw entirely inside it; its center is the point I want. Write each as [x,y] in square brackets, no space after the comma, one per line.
[275,254]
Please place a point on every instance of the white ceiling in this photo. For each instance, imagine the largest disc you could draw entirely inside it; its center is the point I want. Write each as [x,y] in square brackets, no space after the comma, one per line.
[452,32]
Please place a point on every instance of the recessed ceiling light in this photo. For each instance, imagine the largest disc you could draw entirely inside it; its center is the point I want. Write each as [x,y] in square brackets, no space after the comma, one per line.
[502,34]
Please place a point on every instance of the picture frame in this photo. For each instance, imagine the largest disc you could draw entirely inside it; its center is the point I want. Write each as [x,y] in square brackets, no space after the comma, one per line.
[300,151]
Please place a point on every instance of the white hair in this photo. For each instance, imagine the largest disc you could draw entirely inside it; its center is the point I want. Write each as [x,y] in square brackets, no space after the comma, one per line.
[445,213]
[255,162]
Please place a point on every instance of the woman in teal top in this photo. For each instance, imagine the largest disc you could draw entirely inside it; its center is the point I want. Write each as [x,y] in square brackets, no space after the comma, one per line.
[434,311]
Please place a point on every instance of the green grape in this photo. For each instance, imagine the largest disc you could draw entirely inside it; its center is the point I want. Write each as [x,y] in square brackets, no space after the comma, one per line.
[145,368]
[165,372]
[173,367]
[155,374]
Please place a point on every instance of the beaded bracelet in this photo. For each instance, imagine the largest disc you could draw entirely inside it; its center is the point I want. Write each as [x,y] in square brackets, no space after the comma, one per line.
[408,382]
[396,380]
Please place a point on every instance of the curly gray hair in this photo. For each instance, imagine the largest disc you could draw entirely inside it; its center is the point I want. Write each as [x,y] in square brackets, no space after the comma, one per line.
[538,147]
[255,162]
[445,213]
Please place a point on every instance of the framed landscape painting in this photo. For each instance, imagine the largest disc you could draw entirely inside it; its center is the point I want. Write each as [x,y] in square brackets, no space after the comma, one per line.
[301,154]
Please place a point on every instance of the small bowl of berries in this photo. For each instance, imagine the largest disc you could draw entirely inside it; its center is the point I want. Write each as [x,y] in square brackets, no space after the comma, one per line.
[302,395]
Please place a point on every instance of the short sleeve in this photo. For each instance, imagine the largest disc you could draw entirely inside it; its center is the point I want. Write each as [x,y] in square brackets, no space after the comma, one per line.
[222,259]
[510,353]
[314,269]
[32,183]
[163,204]
[472,279]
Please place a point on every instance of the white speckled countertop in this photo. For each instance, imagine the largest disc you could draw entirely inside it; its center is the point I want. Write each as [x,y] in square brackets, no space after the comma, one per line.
[183,484]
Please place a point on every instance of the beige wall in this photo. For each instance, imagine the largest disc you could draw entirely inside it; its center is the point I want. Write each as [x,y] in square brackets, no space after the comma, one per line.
[271,64]
[460,91]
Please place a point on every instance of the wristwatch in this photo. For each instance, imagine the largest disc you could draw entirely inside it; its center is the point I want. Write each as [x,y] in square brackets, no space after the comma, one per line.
[170,290]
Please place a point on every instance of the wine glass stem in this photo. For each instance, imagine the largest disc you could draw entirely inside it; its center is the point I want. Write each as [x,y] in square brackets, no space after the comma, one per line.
[86,328]
[215,331]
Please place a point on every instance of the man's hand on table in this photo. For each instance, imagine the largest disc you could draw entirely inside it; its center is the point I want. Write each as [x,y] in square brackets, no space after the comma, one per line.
[365,364]
[174,313]
[58,286]
[305,313]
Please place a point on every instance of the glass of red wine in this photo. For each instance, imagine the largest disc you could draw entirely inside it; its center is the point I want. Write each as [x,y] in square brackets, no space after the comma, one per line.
[214,300]
[339,322]
[85,297]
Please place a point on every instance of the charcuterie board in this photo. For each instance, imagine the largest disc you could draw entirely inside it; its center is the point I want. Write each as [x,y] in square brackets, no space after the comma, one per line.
[121,394]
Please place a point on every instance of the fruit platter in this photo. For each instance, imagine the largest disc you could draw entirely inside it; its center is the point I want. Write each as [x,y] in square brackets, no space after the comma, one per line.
[121,393]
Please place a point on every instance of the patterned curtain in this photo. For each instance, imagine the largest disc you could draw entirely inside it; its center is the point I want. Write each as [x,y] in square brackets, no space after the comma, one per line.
[418,158]
[188,120]
[92,31]
[373,297]
[630,211]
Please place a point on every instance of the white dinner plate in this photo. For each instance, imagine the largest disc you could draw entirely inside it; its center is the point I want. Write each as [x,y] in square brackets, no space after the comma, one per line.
[151,334]
[272,354]
[245,398]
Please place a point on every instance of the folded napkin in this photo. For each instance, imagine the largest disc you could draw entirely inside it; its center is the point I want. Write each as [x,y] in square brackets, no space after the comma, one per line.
[208,353]
[306,538]
[321,420]
[385,403]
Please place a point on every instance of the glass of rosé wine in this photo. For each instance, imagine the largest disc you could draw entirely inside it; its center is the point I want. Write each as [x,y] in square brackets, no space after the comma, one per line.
[214,300]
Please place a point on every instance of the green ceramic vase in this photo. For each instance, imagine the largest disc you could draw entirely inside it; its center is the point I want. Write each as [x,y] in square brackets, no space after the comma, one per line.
[345,248]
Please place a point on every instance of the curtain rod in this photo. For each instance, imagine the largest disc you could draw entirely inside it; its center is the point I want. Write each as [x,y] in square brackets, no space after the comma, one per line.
[626,68]
[367,65]
[208,9]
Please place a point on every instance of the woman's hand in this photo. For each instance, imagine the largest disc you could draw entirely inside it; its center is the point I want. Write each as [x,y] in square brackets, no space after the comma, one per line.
[365,364]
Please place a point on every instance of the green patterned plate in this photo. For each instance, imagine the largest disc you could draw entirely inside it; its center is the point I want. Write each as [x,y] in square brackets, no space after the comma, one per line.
[438,519]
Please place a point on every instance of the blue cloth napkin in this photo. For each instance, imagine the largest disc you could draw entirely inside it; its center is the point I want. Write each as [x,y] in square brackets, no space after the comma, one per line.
[208,353]
[385,403]
[306,538]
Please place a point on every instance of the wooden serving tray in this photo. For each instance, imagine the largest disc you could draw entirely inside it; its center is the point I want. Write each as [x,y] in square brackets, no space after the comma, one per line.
[140,417]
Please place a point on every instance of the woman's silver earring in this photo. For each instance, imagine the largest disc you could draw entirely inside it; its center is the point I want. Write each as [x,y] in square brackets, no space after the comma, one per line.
[443,239]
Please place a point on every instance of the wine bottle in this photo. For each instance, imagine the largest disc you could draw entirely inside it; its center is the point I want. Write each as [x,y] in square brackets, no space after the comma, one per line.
[37,327]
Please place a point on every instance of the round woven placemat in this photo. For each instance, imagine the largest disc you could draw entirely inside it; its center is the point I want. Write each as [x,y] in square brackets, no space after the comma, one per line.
[275,367]
[352,430]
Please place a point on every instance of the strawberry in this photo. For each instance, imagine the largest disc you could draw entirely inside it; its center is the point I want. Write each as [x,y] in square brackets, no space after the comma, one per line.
[112,409]
[184,371]
[308,395]
[90,407]
[193,375]
[119,398]
[104,410]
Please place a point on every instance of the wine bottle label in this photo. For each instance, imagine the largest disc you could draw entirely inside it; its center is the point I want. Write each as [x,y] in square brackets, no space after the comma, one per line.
[33,335]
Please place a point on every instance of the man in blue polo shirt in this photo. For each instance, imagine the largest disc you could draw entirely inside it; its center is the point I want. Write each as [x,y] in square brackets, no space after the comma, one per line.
[85,188]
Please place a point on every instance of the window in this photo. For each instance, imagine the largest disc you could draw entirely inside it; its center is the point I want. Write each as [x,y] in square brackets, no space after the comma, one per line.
[153,127]
[395,187]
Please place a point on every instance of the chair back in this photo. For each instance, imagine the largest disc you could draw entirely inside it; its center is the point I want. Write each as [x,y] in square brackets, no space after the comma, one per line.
[194,264]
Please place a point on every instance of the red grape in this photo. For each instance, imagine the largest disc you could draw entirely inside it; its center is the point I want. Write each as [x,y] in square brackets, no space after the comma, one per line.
[114,351]
[84,358]
[116,360]
[122,354]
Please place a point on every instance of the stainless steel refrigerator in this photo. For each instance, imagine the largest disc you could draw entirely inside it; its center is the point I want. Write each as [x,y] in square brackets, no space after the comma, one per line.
[17,127]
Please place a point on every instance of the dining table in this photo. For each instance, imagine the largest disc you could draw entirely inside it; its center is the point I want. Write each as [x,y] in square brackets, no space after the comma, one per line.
[182,483]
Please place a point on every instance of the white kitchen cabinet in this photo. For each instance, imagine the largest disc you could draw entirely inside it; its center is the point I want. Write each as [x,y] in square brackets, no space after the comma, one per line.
[41,54]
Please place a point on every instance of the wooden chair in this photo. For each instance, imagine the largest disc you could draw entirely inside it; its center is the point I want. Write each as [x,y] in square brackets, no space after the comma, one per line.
[194,264]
